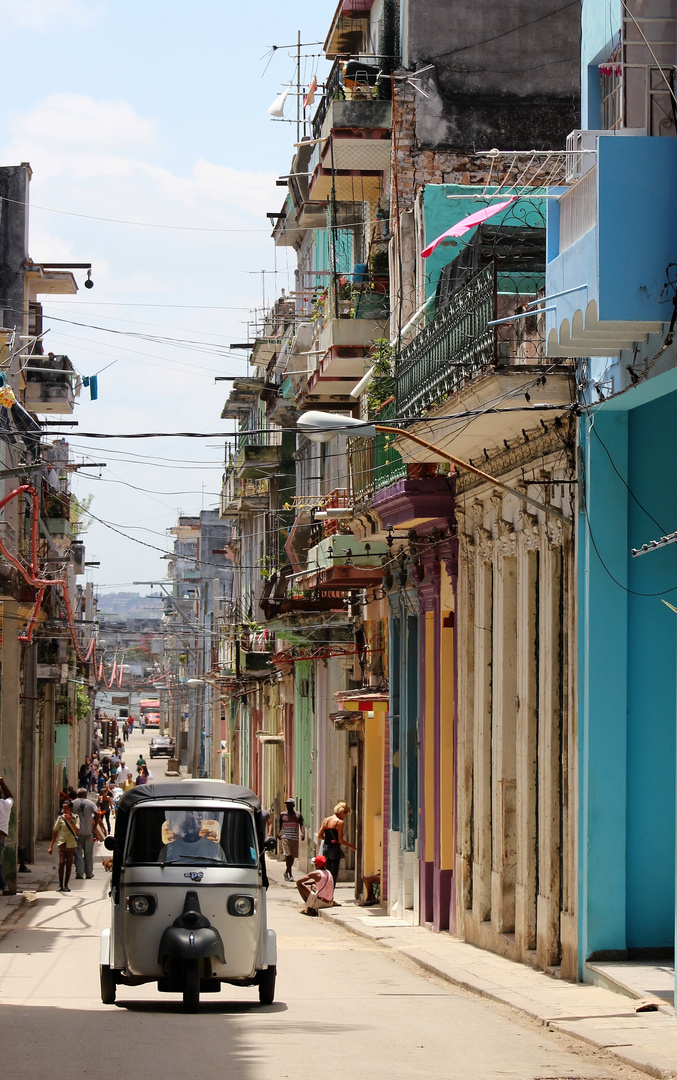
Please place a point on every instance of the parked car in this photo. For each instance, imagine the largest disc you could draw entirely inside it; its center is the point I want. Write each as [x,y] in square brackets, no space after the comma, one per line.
[162,746]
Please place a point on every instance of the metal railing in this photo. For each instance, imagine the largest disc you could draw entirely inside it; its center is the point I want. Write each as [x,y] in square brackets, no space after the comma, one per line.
[374,463]
[454,347]
[578,210]
[332,90]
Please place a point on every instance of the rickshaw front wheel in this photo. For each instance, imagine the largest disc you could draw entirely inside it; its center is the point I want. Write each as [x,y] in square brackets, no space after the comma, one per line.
[191,986]
[267,985]
[108,986]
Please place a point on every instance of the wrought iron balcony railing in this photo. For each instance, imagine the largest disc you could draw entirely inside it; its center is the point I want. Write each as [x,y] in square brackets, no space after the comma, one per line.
[459,344]
[456,345]
[374,463]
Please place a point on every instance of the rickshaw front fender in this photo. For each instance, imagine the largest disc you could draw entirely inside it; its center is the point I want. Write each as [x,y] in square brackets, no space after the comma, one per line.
[104,947]
[195,944]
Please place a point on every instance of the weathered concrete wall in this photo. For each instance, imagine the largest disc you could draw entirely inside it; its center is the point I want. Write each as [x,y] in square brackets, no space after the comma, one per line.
[14,182]
[505,75]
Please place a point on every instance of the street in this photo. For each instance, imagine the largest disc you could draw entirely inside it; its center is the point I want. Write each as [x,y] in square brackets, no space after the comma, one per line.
[341,1004]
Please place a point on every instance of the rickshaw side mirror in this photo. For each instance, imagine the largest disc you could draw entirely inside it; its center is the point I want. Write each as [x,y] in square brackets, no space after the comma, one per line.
[109,843]
[270,844]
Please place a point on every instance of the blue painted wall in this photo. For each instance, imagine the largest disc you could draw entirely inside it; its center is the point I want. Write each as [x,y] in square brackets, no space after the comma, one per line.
[600,25]
[652,641]
[627,677]
[602,618]
[622,259]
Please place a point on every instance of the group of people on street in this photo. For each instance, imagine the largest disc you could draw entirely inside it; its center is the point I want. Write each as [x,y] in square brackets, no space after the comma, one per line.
[85,815]
[317,888]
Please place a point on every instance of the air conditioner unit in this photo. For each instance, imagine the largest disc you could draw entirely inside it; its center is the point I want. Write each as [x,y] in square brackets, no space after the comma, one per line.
[582,149]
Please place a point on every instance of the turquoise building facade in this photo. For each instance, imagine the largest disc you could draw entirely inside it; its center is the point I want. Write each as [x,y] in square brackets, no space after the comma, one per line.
[611,287]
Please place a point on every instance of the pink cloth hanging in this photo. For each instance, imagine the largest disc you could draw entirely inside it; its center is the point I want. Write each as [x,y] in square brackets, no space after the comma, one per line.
[467,223]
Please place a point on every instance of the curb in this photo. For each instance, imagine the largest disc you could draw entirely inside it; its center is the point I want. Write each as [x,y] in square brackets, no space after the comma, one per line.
[594,1033]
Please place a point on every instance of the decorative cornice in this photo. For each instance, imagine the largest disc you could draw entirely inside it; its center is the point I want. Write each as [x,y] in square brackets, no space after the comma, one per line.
[560,441]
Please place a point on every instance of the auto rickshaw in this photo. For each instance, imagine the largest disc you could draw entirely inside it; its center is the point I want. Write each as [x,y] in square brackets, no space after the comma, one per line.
[188,892]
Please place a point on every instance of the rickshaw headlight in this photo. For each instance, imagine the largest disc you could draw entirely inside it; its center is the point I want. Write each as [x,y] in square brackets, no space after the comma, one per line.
[241,905]
[140,904]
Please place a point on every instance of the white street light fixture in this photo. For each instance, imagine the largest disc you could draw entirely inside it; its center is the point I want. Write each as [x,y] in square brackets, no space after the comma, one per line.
[321,427]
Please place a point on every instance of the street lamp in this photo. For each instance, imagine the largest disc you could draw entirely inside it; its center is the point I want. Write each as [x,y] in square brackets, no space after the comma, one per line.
[321,427]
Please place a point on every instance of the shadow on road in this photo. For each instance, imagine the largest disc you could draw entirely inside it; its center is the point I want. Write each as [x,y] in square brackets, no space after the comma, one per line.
[197,1045]
[206,1006]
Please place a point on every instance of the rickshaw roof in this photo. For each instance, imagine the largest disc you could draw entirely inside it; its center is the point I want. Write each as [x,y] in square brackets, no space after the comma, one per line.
[189,789]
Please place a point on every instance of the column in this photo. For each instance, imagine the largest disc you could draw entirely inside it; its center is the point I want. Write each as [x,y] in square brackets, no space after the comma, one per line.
[527,740]
[482,738]
[549,742]
[503,817]
[465,637]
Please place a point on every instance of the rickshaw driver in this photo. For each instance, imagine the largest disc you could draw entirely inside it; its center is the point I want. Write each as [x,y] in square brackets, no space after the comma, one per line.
[189,844]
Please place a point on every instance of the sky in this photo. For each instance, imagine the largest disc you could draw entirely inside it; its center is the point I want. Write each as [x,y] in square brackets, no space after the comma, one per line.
[153,113]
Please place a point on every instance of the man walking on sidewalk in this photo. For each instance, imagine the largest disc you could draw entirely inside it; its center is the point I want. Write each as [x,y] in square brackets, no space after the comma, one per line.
[6,804]
[289,827]
[84,853]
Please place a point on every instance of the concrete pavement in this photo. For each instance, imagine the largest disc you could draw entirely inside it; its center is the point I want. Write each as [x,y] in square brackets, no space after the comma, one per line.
[599,1017]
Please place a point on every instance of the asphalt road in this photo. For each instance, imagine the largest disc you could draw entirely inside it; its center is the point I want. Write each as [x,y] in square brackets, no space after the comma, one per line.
[344,1008]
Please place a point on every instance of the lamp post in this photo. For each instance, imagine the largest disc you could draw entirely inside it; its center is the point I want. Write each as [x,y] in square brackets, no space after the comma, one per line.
[321,427]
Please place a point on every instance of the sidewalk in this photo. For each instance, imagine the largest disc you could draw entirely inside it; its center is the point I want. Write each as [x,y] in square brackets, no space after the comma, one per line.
[646,1040]
[43,875]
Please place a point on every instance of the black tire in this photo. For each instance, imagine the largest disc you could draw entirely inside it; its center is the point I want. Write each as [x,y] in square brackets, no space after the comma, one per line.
[267,985]
[191,986]
[108,985]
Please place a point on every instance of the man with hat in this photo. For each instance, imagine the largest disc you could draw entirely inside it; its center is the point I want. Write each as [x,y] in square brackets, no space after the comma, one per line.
[290,826]
[316,888]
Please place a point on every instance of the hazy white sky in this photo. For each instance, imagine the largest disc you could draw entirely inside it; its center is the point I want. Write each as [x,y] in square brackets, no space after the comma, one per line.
[153,112]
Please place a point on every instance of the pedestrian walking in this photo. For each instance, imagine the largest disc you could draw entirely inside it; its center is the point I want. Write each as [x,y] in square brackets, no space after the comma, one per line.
[65,831]
[290,826]
[143,777]
[125,730]
[105,805]
[6,804]
[86,812]
[129,782]
[316,888]
[331,835]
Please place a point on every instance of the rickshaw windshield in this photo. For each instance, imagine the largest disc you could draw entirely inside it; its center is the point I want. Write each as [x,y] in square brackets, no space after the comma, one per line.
[191,836]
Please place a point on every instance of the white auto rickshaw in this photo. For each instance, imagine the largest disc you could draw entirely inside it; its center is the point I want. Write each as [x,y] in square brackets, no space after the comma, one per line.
[188,892]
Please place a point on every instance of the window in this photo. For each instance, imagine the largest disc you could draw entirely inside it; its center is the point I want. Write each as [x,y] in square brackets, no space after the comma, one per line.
[611,84]
[189,836]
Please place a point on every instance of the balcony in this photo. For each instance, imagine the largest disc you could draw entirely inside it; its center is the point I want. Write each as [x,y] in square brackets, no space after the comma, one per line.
[375,463]
[51,385]
[339,349]
[284,594]
[453,349]
[257,457]
[344,563]
[606,257]
[460,355]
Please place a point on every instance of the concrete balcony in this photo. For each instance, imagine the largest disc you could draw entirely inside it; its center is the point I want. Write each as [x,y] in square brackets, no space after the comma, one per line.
[50,385]
[340,351]
[606,253]
[254,462]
